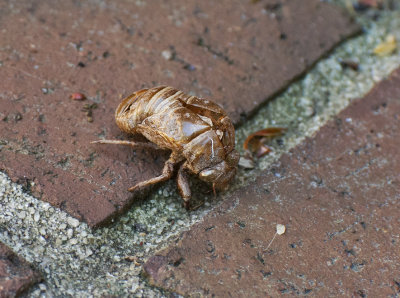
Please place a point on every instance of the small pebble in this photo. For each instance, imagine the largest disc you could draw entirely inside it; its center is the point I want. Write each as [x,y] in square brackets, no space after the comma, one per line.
[70,232]
[167,55]
[89,252]
[246,163]
[73,222]
[42,287]
[36,217]
[280,229]
[22,214]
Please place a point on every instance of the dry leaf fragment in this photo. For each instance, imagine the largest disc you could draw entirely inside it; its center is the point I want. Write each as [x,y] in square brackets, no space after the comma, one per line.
[262,150]
[387,47]
[267,132]
[255,141]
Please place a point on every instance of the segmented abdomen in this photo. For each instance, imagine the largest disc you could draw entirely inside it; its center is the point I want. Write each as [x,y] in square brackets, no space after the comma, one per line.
[142,104]
[162,115]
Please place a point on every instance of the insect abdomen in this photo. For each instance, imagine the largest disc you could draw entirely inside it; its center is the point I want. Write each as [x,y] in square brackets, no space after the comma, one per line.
[160,113]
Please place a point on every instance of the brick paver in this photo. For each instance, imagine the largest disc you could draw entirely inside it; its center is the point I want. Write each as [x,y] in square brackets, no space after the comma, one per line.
[338,196]
[16,275]
[237,52]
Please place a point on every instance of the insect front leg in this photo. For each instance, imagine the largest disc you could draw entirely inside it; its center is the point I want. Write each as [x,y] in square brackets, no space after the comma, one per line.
[128,143]
[183,186]
[166,174]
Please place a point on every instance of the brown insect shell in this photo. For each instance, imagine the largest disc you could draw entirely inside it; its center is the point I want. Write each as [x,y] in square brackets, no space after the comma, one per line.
[197,129]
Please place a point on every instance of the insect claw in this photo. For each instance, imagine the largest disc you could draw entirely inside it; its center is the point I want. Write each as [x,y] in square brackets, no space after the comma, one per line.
[214,191]
[133,188]
[186,205]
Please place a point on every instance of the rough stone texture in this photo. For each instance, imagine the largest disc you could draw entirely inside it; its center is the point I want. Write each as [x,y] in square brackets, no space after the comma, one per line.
[238,53]
[16,275]
[338,196]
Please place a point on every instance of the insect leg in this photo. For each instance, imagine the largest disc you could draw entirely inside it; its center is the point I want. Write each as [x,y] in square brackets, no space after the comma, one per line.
[166,174]
[183,186]
[129,143]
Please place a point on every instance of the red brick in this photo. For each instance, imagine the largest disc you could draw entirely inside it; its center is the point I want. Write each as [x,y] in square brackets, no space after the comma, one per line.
[235,52]
[338,196]
[16,275]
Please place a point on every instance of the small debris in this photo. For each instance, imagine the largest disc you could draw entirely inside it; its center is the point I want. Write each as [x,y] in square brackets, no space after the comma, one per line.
[88,109]
[241,224]
[194,208]
[273,6]
[167,55]
[189,67]
[350,64]
[77,96]
[246,161]
[280,229]
[18,117]
[363,5]
[134,259]
[140,228]
[387,47]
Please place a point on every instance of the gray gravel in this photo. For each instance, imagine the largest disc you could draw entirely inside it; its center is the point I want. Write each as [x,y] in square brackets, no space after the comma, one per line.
[78,261]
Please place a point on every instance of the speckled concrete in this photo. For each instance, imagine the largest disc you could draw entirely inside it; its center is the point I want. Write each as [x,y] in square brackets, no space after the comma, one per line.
[76,260]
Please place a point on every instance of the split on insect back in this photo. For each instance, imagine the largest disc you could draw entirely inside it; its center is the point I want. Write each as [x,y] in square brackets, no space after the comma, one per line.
[198,132]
